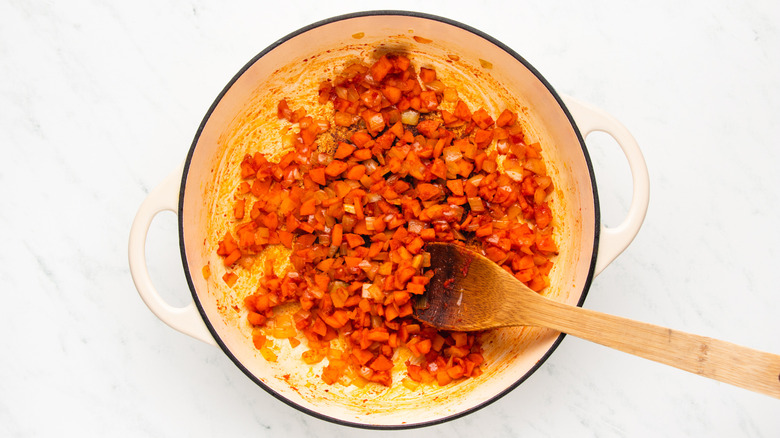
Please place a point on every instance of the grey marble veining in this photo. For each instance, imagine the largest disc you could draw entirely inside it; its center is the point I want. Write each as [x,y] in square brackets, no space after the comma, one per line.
[100,100]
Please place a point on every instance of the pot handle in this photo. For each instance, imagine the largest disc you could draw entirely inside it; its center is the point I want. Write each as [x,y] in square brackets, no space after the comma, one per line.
[614,240]
[184,319]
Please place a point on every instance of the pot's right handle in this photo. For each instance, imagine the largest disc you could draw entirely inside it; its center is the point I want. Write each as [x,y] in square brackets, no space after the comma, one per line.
[184,319]
[614,240]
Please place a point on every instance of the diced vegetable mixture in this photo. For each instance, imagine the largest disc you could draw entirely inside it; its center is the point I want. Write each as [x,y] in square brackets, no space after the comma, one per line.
[403,171]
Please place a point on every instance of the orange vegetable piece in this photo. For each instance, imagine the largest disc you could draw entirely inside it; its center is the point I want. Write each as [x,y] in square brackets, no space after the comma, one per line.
[381,363]
[343,150]
[381,68]
[353,240]
[308,207]
[356,172]
[336,168]
[427,75]
[506,118]
[318,175]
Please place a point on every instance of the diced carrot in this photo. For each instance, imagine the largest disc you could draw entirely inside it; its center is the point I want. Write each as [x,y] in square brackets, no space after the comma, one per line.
[362,154]
[230,279]
[455,186]
[392,94]
[381,68]
[381,363]
[428,191]
[336,168]
[506,118]
[427,75]
[259,340]
[308,207]
[353,240]
[462,111]
[352,261]
[360,138]
[482,118]
[286,238]
[356,172]
[232,257]
[318,175]
[442,378]
[343,150]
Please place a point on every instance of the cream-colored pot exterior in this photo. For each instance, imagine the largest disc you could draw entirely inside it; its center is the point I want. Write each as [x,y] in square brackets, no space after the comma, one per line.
[243,119]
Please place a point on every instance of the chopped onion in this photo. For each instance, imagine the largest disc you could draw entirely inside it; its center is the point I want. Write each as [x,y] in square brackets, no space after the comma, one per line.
[476,179]
[410,117]
[344,119]
[324,239]
[352,94]
[543,181]
[370,223]
[415,226]
[426,262]
[348,222]
[454,213]
[514,212]
[458,236]
[502,146]
[366,293]
[322,125]
[324,159]
[320,195]
[373,197]
[539,196]
[376,122]
[437,86]
[371,166]
[452,154]
[536,166]
[476,204]
[365,372]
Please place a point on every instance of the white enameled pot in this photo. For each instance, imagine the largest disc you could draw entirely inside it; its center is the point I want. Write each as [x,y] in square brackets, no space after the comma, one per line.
[243,119]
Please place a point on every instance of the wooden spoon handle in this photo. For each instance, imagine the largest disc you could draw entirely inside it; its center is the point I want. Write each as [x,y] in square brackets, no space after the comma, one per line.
[719,360]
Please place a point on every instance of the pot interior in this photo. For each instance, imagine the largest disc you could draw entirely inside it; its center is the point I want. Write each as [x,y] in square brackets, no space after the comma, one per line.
[243,120]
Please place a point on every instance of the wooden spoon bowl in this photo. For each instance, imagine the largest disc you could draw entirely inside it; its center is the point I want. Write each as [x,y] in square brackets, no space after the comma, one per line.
[469,292]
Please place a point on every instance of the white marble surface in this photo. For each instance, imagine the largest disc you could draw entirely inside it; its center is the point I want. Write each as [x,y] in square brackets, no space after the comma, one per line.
[100,100]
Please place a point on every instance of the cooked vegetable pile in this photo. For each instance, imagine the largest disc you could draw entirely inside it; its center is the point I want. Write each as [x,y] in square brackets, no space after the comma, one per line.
[402,162]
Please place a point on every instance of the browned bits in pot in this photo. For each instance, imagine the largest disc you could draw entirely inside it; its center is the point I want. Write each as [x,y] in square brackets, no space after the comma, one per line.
[403,172]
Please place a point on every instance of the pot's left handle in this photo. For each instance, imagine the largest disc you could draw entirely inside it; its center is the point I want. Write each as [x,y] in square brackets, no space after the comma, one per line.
[614,240]
[164,197]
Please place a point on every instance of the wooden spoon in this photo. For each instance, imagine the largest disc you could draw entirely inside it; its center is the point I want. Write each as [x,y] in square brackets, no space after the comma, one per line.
[469,292]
